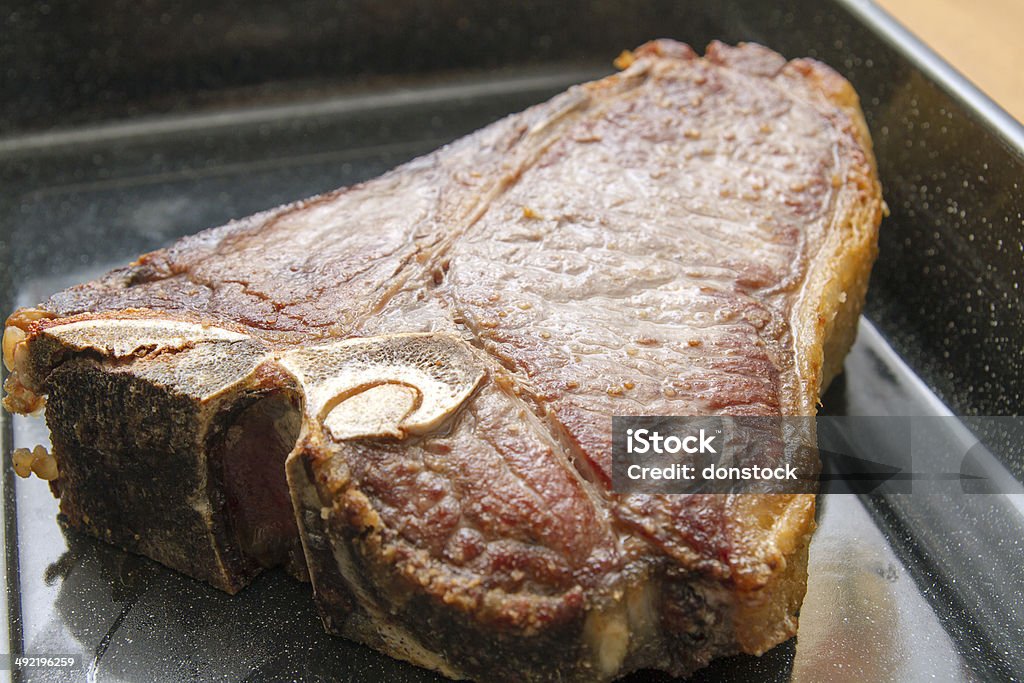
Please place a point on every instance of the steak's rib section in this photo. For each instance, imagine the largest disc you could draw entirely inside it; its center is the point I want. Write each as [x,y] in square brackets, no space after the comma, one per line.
[403,390]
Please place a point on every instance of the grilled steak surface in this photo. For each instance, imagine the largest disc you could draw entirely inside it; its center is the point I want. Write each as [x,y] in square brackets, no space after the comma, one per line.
[434,358]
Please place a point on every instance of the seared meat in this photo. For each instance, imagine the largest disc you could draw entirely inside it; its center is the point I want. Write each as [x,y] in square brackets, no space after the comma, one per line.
[437,353]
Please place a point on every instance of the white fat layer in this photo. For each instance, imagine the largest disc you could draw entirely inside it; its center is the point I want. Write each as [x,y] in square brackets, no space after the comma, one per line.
[606,633]
[615,629]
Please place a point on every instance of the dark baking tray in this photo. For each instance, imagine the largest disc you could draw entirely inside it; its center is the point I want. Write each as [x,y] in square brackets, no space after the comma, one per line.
[239,108]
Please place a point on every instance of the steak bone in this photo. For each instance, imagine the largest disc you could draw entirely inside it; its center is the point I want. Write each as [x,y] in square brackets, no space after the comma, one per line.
[219,413]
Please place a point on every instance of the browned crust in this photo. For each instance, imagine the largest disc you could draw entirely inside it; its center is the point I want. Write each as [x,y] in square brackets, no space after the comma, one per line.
[823,326]
[760,601]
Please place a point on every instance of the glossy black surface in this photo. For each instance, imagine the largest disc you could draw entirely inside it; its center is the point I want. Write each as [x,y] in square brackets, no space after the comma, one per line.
[261,105]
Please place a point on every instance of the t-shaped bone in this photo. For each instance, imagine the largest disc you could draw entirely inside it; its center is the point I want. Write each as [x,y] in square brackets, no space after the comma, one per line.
[166,398]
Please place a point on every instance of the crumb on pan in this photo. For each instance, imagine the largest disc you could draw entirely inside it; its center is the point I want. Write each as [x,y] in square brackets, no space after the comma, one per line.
[37,461]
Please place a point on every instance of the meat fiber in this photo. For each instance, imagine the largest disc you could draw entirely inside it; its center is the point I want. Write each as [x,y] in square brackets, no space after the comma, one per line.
[404,389]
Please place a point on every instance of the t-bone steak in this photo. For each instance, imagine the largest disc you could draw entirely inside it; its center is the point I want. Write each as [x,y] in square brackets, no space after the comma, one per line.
[404,389]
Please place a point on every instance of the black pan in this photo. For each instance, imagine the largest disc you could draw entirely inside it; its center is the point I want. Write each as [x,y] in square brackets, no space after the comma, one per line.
[125,125]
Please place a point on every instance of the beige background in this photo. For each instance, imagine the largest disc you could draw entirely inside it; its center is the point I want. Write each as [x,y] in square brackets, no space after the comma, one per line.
[981,38]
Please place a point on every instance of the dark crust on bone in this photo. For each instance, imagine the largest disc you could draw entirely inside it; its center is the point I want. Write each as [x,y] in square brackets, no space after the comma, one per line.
[533,238]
